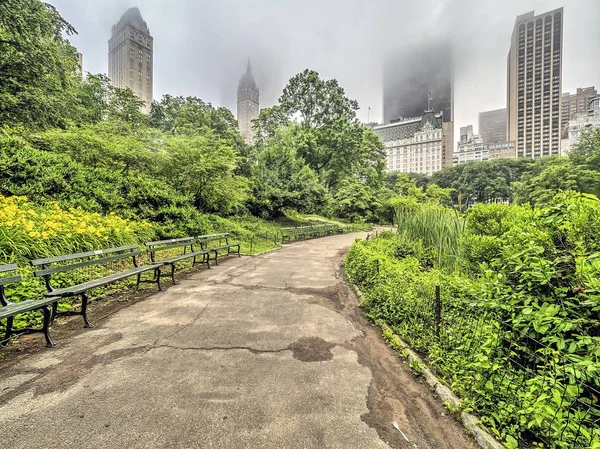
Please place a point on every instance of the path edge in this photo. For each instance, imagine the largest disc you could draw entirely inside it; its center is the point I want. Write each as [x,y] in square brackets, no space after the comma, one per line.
[469,421]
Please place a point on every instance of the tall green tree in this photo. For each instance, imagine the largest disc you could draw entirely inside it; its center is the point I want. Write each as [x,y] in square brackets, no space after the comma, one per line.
[338,146]
[38,67]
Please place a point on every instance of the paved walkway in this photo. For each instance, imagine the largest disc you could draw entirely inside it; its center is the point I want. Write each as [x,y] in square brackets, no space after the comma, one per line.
[260,352]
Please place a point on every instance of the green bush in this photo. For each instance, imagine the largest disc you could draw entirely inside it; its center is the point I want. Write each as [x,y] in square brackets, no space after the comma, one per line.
[519,335]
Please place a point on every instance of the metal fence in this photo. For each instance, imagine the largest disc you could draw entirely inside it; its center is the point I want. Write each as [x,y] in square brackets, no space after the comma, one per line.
[511,378]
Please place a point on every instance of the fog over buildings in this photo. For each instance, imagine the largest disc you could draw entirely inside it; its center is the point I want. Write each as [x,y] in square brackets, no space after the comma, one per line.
[201,48]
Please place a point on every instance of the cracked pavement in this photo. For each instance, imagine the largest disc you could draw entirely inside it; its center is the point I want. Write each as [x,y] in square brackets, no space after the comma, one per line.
[258,352]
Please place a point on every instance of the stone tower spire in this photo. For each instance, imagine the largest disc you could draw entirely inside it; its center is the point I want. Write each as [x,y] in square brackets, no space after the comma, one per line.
[247,104]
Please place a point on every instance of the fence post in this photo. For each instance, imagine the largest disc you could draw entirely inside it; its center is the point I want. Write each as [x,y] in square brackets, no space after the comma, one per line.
[251,242]
[275,239]
[377,265]
[438,311]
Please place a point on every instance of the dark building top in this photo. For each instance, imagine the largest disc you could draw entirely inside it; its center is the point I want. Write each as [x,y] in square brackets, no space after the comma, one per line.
[416,81]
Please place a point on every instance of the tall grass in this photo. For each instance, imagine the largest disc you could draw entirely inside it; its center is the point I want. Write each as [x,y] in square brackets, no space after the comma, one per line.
[438,228]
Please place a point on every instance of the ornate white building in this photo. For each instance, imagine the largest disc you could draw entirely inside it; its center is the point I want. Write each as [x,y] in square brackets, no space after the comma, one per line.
[247,104]
[414,145]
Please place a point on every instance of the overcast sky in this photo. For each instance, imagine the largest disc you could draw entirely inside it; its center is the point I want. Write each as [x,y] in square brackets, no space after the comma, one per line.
[201,46]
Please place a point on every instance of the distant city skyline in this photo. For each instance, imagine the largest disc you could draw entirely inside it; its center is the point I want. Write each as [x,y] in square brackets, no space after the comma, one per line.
[201,49]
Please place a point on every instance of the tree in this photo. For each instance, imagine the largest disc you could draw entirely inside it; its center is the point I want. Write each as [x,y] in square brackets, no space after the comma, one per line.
[38,67]
[283,180]
[317,102]
[268,122]
[587,150]
[336,145]
[553,175]
[356,201]
[203,168]
[125,106]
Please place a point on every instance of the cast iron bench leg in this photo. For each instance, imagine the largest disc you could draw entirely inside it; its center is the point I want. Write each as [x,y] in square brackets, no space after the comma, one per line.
[9,329]
[46,328]
[84,304]
[54,311]
[173,273]
[157,271]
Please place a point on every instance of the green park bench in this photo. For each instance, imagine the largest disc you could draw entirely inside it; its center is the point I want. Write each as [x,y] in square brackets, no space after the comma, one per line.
[303,232]
[50,266]
[207,243]
[9,309]
[184,245]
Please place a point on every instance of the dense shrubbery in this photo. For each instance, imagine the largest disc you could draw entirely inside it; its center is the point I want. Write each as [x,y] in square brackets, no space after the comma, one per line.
[519,339]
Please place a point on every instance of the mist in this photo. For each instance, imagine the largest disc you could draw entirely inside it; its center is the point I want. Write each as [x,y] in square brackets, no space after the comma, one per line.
[201,47]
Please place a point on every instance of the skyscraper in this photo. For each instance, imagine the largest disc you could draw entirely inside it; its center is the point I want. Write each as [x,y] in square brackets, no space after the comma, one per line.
[534,84]
[492,126]
[130,53]
[247,104]
[417,81]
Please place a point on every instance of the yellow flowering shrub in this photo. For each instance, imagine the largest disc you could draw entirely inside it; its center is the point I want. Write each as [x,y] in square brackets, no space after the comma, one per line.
[30,231]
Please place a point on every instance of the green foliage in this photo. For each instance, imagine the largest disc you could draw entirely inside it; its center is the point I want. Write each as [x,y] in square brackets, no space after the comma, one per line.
[283,180]
[355,201]
[332,141]
[481,182]
[438,228]
[520,331]
[38,67]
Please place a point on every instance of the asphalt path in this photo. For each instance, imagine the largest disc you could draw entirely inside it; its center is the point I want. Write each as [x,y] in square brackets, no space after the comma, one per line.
[268,351]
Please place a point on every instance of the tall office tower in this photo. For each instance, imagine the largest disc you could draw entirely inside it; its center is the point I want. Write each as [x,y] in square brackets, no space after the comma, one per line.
[534,84]
[492,126]
[247,104]
[574,105]
[417,81]
[130,52]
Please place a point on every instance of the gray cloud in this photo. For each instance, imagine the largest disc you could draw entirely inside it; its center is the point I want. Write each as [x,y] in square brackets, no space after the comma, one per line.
[201,47]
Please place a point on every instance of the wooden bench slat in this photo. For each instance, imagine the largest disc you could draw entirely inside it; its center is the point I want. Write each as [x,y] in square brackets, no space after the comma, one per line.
[10,280]
[164,242]
[15,308]
[9,267]
[85,286]
[181,257]
[157,248]
[62,268]
[49,260]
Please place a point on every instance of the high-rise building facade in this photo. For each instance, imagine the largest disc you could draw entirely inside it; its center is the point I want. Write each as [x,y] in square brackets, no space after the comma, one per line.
[492,126]
[414,145]
[418,81]
[130,56]
[534,84]
[574,105]
[248,106]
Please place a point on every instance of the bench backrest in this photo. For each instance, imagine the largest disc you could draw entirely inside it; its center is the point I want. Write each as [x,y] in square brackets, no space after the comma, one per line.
[10,279]
[164,245]
[70,262]
[203,240]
